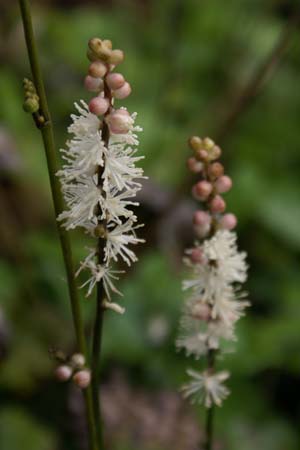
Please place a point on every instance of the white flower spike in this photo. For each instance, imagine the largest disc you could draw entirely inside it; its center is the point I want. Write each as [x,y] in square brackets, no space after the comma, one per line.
[100,179]
[214,302]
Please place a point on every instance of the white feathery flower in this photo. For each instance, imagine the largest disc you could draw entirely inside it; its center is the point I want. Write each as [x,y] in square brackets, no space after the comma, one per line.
[222,253]
[99,182]
[120,170]
[82,157]
[116,204]
[118,239]
[84,124]
[206,388]
[198,336]
[229,307]
[224,265]
[82,198]
[99,272]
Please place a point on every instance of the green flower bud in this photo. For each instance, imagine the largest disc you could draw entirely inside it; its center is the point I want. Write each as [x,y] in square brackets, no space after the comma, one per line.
[31,104]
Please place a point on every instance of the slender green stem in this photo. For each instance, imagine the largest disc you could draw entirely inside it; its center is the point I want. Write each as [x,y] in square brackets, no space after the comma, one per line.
[96,356]
[209,426]
[52,163]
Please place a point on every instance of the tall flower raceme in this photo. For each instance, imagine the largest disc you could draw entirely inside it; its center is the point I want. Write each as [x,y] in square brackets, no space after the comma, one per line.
[216,269]
[99,178]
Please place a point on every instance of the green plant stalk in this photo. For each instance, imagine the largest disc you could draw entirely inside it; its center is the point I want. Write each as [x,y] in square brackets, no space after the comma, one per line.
[52,164]
[209,425]
[96,355]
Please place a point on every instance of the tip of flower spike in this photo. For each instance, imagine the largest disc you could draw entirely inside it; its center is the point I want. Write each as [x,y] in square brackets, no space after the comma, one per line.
[103,50]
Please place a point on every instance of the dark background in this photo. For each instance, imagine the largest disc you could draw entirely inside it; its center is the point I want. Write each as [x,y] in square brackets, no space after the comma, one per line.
[229,70]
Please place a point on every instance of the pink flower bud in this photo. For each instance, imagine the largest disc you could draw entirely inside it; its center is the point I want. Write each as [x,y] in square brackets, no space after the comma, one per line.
[202,190]
[202,222]
[78,360]
[217,205]
[115,81]
[201,218]
[201,311]
[197,256]
[82,378]
[97,69]
[123,91]
[93,84]
[201,155]
[63,373]
[215,170]
[119,121]
[223,184]
[98,105]
[194,165]
[228,221]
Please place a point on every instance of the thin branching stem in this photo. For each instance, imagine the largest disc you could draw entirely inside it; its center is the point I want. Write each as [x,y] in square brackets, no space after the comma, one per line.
[48,139]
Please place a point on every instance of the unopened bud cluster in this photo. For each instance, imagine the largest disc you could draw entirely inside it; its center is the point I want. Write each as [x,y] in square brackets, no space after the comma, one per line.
[74,368]
[210,187]
[31,101]
[214,302]
[107,84]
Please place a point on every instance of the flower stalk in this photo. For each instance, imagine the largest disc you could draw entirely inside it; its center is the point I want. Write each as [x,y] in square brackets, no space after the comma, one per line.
[99,183]
[214,302]
[44,123]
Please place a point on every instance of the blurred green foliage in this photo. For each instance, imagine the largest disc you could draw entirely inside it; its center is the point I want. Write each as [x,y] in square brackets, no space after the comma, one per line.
[187,61]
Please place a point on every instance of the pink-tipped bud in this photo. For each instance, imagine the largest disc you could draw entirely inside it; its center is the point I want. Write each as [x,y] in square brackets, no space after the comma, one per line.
[202,221]
[228,221]
[201,311]
[201,218]
[93,84]
[197,256]
[201,155]
[98,105]
[97,69]
[215,170]
[119,121]
[202,190]
[63,373]
[217,205]
[115,81]
[123,91]
[194,165]
[223,184]
[82,378]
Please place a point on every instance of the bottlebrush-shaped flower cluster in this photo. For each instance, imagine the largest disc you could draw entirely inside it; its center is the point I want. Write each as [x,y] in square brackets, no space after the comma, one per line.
[214,301]
[99,178]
